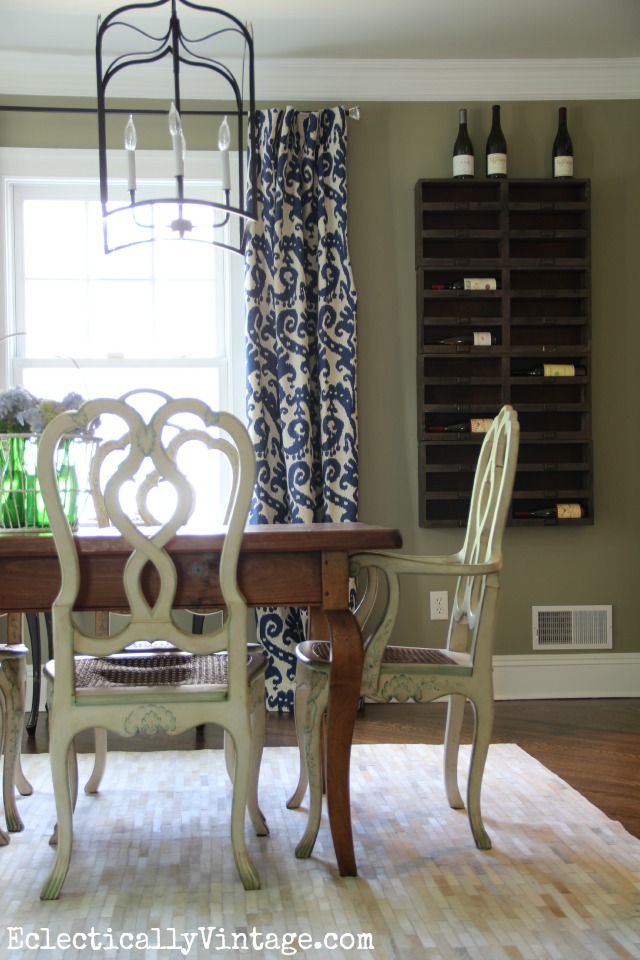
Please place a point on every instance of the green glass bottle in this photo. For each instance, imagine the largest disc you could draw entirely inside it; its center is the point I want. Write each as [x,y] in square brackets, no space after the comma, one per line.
[67,480]
[14,484]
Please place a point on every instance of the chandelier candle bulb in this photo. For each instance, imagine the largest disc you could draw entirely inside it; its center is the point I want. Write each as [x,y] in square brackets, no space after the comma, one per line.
[224,142]
[177,137]
[130,143]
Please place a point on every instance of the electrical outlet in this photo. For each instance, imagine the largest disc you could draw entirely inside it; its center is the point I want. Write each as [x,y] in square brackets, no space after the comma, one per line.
[439,604]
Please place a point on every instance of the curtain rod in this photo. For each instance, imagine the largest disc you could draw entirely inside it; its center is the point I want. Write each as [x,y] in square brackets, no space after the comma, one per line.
[116,110]
[353,112]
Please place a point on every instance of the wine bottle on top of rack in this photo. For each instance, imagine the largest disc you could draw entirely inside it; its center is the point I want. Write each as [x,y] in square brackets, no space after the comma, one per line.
[477,338]
[557,511]
[496,148]
[562,152]
[463,162]
[474,425]
[554,370]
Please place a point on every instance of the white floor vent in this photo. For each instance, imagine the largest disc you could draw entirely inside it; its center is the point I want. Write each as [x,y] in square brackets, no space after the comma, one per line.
[573,628]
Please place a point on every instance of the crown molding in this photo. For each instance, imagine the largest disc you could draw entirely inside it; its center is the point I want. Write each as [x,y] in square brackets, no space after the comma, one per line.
[53,75]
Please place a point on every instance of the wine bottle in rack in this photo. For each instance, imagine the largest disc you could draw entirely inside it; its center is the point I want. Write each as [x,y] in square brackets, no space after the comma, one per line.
[554,370]
[557,511]
[468,283]
[477,338]
[562,152]
[496,148]
[474,425]
[463,162]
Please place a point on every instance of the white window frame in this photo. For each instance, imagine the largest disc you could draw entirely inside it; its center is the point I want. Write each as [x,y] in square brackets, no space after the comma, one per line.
[24,168]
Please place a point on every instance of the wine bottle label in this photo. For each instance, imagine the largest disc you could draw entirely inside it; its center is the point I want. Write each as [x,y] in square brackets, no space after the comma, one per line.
[481,338]
[559,370]
[479,283]
[563,166]
[463,166]
[480,425]
[569,511]
[496,163]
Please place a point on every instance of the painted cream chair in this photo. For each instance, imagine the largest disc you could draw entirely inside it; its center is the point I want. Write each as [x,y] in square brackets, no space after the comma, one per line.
[102,460]
[463,671]
[210,678]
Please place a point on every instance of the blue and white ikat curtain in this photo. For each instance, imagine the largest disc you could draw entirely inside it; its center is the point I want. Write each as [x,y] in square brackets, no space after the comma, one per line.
[301,347]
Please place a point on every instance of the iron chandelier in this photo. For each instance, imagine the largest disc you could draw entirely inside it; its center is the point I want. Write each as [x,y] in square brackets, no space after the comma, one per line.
[213,210]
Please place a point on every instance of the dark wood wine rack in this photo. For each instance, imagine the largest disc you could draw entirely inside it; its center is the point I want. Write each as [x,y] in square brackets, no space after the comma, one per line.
[533,238]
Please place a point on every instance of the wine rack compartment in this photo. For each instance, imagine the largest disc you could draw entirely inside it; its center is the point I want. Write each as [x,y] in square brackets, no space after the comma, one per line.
[503,282]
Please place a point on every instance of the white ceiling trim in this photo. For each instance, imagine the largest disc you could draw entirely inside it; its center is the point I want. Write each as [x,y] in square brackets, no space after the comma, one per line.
[53,75]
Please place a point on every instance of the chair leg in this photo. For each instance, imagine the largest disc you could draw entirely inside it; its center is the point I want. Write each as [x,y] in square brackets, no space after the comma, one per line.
[102,626]
[455,714]
[300,714]
[60,750]
[258,721]
[258,731]
[99,762]
[4,837]
[13,685]
[242,772]
[318,696]
[482,738]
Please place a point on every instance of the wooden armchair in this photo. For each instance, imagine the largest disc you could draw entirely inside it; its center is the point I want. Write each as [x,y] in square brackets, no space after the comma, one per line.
[93,680]
[463,671]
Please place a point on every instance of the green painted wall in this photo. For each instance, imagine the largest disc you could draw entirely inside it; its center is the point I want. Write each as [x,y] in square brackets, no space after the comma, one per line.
[390,148]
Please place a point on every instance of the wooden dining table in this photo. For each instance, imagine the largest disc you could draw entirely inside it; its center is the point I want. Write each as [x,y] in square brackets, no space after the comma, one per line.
[293,565]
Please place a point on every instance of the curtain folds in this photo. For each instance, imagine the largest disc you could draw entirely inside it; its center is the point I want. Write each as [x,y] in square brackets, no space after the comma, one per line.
[301,346]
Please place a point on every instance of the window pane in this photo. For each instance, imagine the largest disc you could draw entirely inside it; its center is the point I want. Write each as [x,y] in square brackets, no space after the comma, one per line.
[122,264]
[114,381]
[122,318]
[189,306]
[183,259]
[56,318]
[55,238]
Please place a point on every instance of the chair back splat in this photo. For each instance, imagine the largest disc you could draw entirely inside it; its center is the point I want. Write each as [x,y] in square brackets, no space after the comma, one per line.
[462,671]
[103,681]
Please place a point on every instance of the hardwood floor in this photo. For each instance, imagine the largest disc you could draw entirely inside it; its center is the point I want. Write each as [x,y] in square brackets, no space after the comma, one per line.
[594,745]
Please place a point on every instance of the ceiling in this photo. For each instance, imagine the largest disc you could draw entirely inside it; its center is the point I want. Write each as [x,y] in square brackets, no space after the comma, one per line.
[406,35]
[372,29]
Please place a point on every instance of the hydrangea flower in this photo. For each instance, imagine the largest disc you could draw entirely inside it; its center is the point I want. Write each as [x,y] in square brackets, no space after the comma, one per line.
[21,412]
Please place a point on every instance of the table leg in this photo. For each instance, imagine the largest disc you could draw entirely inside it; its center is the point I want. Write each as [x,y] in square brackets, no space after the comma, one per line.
[33,624]
[344,695]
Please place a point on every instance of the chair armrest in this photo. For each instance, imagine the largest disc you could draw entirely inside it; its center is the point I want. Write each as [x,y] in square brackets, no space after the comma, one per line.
[401,563]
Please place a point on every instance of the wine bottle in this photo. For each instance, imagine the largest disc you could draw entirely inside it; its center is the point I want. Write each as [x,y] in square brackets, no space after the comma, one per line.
[558,511]
[496,148]
[468,283]
[554,370]
[478,338]
[562,152]
[463,164]
[475,425]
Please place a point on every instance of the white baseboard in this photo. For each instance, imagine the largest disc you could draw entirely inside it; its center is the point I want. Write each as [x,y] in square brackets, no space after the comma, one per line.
[552,676]
[567,675]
